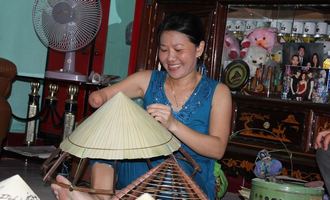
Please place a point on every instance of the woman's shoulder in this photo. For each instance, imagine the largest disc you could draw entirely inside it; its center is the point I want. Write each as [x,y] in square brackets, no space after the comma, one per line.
[144,77]
[141,75]
[140,78]
[144,73]
[149,73]
[222,91]
[223,88]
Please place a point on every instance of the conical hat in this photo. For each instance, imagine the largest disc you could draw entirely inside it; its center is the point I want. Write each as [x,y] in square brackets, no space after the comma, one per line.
[120,129]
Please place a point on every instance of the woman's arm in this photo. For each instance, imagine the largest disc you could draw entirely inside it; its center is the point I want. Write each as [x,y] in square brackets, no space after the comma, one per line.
[310,90]
[220,121]
[291,86]
[134,85]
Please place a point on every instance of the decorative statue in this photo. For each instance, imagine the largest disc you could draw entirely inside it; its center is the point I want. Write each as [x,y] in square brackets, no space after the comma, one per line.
[266,166]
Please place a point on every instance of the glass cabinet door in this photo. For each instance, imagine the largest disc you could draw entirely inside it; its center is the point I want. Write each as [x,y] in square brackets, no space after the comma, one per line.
[279,51]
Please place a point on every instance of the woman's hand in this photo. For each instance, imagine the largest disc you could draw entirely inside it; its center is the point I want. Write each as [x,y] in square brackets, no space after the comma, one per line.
[322,140]
[96,99]
[163,114]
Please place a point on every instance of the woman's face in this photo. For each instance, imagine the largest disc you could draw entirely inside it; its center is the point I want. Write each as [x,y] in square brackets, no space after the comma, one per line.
[298,73]
[314,59]
[178,54]
[294,60]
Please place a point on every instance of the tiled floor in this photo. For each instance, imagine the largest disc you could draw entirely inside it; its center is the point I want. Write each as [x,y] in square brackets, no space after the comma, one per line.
[30,171]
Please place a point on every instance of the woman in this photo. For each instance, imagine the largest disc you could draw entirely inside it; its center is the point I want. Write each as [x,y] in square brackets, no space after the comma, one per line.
[196,109]
[301,87]
[315,62]
[294,60]
[310,85]
[294,80]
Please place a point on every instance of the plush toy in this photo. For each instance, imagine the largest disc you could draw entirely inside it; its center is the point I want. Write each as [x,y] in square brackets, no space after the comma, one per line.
[276,54]
[256,57]
[231,47]
[263,37]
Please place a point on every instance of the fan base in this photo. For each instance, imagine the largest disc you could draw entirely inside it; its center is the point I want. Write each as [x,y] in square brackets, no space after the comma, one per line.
[70,76]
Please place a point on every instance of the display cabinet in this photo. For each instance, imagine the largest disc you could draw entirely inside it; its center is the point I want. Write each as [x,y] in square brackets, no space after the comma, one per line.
[273,111]
[265,114]
[152,15]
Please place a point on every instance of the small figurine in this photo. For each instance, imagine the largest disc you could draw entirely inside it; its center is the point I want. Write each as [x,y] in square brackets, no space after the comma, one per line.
[266,166]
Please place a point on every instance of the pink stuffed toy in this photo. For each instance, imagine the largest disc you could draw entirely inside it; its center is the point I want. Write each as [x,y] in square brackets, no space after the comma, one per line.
[231,46]
[263,37]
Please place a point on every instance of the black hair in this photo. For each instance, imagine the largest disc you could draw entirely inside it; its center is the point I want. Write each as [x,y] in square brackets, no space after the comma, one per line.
[185,23]
[301,47]
[317,62]
[295,55]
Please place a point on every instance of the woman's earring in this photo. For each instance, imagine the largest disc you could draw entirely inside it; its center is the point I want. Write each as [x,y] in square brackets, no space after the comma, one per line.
[203,69]
[159,67]
[201,66]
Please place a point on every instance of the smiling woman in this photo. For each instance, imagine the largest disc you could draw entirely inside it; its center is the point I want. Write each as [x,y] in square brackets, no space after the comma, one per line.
[188,104]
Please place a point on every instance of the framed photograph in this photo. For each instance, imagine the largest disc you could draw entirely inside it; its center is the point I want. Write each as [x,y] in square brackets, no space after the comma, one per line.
[305,84]
[303,54]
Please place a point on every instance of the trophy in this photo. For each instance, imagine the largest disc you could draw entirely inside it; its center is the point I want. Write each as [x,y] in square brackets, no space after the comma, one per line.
[31,127]
[51,98]
[70,111]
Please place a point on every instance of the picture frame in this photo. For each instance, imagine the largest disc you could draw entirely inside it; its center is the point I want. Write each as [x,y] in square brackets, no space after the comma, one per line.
[301,83]
[310,49]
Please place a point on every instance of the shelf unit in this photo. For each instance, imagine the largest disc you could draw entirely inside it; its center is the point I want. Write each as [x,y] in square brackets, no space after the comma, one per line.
[301,120]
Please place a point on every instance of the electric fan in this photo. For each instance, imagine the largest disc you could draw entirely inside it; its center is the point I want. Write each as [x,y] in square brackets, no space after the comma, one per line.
[66,26]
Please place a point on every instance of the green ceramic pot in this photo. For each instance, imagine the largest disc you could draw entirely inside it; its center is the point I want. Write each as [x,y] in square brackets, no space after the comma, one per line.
[264,190]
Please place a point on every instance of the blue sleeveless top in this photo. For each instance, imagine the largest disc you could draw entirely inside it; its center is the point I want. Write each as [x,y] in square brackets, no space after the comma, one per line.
[195,113]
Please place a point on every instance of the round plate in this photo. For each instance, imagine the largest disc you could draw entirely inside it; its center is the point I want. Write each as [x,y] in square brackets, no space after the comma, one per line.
[236,74]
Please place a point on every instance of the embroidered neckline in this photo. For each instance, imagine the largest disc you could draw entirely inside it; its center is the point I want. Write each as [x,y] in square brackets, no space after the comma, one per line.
[196,99]
[186,98]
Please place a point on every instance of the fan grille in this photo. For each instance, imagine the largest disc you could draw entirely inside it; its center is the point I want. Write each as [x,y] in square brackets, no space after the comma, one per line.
[66,25]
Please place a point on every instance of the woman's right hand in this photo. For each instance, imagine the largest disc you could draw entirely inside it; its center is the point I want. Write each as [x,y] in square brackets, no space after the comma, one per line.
[96,99]
[163,114]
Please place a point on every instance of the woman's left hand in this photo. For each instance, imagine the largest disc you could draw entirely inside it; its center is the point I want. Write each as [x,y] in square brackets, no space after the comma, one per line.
[163,114]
